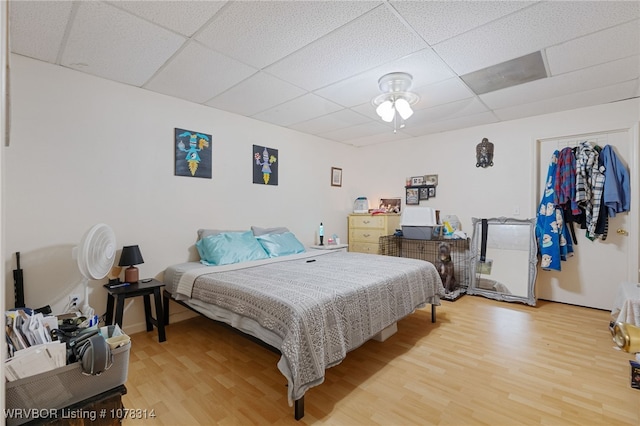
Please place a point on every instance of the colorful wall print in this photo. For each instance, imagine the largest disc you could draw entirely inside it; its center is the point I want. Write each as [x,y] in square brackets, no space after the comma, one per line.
[265,165]
[193,153]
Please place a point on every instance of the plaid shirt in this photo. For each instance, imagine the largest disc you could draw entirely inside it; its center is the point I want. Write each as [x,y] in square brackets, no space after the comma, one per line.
[565,186]
[589,185]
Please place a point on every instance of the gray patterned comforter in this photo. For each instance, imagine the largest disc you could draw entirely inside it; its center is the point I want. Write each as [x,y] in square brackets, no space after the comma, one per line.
[324,308]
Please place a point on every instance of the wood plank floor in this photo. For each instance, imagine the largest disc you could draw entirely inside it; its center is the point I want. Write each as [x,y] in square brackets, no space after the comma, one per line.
[483,363]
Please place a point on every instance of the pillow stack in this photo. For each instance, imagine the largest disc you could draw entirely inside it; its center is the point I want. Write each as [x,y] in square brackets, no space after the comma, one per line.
[219,247]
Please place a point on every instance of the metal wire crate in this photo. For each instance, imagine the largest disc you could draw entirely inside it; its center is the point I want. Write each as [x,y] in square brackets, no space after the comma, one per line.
[392,245]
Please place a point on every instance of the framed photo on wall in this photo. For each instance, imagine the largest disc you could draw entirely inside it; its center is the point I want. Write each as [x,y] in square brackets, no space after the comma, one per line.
[413,196]
[432,191]
[424,193]
[417,180]
[431,180]
[336,176]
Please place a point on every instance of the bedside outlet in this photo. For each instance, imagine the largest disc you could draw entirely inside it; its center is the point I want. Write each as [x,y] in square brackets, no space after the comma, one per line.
[74,301]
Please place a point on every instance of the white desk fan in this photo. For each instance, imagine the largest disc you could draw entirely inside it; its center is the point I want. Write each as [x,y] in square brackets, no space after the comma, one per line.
[95,255]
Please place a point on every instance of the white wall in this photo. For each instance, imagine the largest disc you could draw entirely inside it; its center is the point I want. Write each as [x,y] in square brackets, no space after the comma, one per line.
[469,191]
[86,150]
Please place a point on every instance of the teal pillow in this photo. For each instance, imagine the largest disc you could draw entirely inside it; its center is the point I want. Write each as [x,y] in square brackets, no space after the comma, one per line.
[229,247]
[280,244]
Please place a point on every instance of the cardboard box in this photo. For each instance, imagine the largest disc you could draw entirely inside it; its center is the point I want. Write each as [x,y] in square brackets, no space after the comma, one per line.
[62,387]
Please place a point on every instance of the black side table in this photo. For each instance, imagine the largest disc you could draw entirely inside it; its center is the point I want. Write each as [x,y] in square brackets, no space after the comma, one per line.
[118,295]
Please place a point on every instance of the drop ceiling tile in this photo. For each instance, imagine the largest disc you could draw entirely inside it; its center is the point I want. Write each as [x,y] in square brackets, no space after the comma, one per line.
[198,74]
[255,94]
[448,111]
[452,124]
[443,92]
[259,33]
[113,44]
[373,39]
[386,136]
[357,132]
[425,67]
[593,49]
[440,20]
[585,79]
[597,96]
[334,121]
[300,109]
[50,19]
[541,25]
[184,17]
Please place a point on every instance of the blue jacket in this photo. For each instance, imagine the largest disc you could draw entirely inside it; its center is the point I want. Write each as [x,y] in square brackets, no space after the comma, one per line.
[617,188]
[554,242]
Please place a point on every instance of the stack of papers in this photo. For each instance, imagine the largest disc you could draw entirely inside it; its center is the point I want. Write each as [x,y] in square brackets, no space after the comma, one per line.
[35,360]
[31,350]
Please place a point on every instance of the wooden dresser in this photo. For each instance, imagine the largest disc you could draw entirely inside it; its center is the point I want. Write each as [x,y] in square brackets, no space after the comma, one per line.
[366,229]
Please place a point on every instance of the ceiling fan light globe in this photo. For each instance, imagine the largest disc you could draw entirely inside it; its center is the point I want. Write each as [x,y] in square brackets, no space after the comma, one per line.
[384,108]
[403,108]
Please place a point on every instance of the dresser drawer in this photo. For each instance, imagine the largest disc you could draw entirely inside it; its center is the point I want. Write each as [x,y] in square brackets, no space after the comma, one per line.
[363,235]
[369,248]
[367,221]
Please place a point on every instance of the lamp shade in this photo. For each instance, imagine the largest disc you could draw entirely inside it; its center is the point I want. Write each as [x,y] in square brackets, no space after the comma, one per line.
[403,108]
[130,256]
[385,111]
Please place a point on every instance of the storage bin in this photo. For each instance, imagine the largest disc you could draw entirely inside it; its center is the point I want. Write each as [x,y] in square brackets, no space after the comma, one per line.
[418,223]
[62,387]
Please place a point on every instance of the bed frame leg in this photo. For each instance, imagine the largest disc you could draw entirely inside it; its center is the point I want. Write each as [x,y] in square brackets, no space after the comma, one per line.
[299,408]
[165,300]
[433,313]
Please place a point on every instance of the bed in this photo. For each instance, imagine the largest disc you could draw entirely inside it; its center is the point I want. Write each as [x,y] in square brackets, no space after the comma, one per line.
[312,306]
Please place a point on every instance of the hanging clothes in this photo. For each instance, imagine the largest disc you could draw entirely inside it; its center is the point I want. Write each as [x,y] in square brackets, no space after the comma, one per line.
[565,185]
[554,242]
[617,187]
[565,190]
[589,185]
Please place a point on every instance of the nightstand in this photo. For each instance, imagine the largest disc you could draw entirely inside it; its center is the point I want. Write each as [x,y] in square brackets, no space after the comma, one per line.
[118,295]
[338,247]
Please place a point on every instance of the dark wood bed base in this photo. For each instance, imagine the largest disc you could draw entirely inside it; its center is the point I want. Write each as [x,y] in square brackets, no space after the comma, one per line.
[298,407]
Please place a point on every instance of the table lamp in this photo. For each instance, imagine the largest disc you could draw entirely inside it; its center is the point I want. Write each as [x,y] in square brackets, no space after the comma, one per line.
[130,257]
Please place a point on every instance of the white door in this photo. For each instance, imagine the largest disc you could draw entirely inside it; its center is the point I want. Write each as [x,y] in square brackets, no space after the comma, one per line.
[592,275]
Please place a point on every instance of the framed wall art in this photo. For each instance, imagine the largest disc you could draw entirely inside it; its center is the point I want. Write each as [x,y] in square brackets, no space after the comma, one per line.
[412,196]
[192,153]
[431,180]
[424,193]
[336,176]
[265,165]
[417,180]
[432,191]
